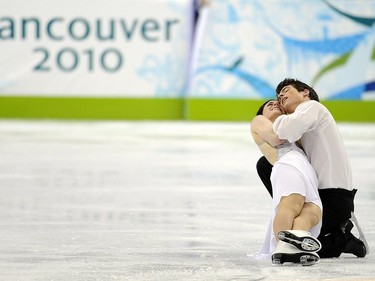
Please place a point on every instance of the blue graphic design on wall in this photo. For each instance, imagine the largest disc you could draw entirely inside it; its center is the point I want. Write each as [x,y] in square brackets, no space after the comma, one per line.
[248,47]
[167,72]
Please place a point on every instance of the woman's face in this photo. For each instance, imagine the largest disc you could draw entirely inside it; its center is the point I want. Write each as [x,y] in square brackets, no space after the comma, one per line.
[272,110]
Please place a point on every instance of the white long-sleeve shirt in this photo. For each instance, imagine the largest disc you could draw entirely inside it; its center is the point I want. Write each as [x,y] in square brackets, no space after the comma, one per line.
[314,125]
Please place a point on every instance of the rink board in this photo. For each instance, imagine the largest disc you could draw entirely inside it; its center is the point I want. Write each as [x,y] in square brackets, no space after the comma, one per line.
[98,108]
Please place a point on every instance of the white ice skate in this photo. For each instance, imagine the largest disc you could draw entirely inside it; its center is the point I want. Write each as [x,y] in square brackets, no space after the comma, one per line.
[287,253]
[303,240]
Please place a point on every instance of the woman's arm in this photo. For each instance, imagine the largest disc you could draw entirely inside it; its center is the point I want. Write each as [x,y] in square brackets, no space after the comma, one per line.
[267,150]
[265,138]
[262,126]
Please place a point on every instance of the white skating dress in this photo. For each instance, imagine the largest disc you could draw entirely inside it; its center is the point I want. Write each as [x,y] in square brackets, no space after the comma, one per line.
[292,173]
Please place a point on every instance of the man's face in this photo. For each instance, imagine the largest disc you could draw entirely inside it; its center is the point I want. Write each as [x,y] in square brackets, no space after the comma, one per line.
[289,98]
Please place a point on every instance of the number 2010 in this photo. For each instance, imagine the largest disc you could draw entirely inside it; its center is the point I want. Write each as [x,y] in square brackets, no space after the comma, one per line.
[68,60]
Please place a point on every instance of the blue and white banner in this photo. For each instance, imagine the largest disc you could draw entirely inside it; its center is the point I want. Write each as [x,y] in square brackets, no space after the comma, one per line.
[247,47]
[95,47]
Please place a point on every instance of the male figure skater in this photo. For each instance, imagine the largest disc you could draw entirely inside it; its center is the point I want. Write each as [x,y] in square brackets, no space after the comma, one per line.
[312,123]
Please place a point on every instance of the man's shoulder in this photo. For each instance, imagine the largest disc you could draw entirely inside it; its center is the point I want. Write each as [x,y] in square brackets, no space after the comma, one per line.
[312,104]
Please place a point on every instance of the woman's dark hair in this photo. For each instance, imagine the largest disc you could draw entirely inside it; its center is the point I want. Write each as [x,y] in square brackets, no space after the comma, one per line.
[260,110]
[300,86]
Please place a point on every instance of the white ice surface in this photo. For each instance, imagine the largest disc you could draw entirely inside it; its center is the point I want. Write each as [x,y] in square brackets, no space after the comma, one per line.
[151,201]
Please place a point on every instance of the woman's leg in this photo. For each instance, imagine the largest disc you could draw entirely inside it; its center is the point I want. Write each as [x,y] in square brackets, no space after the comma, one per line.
[296,246]
[293,213]
[310,216]
[288,209]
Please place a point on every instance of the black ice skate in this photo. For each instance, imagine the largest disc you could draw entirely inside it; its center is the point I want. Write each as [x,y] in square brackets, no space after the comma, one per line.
[356,246]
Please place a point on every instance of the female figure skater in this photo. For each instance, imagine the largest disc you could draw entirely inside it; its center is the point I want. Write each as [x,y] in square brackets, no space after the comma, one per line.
[297,209]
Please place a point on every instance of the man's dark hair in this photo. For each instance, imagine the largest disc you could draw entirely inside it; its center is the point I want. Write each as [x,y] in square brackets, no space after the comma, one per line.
[300,86]
[260,110]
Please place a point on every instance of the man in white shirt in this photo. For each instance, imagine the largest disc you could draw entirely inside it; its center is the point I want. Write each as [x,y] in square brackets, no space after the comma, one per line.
[311,122]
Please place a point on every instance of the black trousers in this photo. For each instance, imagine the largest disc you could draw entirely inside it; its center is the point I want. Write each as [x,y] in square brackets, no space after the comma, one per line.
[338,203]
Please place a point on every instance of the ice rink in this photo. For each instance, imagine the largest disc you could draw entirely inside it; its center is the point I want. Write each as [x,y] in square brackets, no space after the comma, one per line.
[152,201]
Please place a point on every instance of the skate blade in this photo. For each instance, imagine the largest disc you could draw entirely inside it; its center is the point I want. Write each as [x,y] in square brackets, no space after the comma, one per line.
[360,232]
[303,243]
[304,259]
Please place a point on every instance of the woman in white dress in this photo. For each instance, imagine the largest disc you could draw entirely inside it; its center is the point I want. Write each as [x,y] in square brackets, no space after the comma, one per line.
[297,209]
